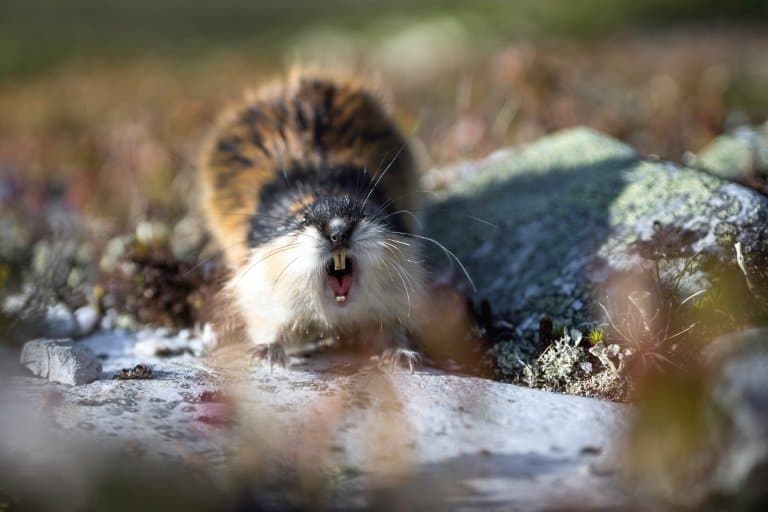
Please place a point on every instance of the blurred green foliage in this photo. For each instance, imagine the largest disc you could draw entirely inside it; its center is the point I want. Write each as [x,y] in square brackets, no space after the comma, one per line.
[37,34]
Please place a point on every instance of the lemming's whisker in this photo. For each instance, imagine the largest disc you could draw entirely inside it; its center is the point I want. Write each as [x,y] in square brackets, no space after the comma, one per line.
[408,277]
[445,250]
[383,208]
[390,263]
[284,269]
[395,199]
[402,280]
[405,288]
[358,183]
[277,251]
[415,218]
[268,255]
[387,204]
[212,257]
[376,183]
[387,242]
[394,240]
[393,248]
[311,237]
[483,221]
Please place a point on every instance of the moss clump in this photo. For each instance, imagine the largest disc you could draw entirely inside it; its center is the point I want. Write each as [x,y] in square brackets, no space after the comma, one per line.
[151,285]
[567,366]
[556,366]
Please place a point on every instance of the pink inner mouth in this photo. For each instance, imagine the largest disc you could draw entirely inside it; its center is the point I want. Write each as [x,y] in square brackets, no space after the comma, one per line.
[340,285]
[340,282]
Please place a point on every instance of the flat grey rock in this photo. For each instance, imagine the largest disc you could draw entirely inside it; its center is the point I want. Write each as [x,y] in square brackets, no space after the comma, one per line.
[63,361]
[431,438]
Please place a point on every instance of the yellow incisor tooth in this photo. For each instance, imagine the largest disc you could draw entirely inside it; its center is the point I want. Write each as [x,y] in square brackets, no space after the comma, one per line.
[340,260]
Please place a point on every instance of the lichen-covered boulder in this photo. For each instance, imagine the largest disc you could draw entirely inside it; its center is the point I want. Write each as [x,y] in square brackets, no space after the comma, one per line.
[550,228]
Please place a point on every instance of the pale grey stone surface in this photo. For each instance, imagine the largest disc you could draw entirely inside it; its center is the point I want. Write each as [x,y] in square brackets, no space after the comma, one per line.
[464,441]
[436,438]
[63,361]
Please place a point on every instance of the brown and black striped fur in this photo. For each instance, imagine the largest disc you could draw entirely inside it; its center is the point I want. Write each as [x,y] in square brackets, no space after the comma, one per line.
[304,122]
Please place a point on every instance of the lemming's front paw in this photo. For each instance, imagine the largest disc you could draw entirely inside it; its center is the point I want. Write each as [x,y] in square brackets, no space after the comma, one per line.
[270,353]
[394,357]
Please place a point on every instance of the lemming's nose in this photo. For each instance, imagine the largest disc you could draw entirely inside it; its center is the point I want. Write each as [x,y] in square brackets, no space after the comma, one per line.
[338,231]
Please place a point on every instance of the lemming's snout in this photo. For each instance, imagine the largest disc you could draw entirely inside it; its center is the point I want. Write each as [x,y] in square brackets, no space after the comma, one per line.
[339,232]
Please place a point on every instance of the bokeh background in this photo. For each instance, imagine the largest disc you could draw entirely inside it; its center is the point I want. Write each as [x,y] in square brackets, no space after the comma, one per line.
[103,103]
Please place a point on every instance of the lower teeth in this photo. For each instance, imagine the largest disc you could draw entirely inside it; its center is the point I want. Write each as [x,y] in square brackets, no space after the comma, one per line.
[341,298]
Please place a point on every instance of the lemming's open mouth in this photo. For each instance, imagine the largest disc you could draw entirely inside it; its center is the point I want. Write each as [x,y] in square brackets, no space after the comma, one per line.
[340,270]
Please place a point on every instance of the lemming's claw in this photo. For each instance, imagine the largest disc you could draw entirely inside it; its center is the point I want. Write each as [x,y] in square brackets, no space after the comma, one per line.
[269,352]
[394,357]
